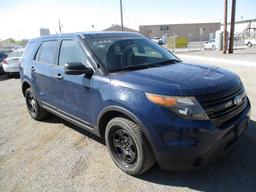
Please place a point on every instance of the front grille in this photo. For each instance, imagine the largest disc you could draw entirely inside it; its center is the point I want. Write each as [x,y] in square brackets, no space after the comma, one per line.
[220,107]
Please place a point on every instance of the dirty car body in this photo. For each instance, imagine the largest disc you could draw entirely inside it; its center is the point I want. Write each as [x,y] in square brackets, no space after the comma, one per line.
[189,114]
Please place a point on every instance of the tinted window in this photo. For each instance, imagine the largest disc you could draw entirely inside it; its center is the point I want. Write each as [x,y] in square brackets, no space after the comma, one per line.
[47,52]
[117,54]
[71,52]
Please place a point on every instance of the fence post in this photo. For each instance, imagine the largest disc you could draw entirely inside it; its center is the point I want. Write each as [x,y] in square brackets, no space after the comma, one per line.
[188,41]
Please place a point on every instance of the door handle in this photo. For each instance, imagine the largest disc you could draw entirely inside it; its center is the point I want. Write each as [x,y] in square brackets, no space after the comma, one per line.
[59,76]
[33,68]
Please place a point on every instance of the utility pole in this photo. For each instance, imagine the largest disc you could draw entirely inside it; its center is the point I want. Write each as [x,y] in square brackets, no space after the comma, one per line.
[232,27]
[225,26]
[60,27]
[121,12]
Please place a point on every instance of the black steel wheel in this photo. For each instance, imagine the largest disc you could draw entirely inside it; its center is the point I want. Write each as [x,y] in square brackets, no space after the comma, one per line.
[31,102]
[128,146]
[123,146]
[35,111]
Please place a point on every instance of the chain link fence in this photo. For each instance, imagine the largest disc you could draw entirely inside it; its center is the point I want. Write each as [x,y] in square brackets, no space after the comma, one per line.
[201,42]
[197,41]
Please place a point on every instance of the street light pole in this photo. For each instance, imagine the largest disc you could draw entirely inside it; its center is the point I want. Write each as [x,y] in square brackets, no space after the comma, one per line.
[121,12]
[232,27]
[225,26]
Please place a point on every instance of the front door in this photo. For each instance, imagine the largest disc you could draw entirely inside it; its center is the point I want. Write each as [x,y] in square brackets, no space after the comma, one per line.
[73,92]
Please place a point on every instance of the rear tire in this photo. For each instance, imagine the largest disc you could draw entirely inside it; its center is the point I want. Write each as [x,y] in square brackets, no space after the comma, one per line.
[128,146]
[35,111]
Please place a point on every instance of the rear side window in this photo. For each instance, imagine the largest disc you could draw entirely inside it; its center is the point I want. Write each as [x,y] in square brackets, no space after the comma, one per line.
[70,52]
[46,53]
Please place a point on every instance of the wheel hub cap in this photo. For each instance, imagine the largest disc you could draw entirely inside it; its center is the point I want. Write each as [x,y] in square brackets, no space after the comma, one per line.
[124,146]
[33,103]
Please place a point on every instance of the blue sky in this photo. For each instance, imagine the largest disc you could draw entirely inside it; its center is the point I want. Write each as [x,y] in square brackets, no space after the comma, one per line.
[23,18]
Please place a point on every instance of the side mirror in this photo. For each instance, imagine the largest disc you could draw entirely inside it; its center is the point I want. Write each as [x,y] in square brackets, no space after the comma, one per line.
[77,68]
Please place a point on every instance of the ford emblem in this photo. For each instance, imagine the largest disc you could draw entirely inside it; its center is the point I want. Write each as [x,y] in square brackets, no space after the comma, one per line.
[237,100]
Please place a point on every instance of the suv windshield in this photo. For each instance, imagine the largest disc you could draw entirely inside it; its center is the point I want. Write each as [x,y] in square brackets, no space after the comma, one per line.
[130,53]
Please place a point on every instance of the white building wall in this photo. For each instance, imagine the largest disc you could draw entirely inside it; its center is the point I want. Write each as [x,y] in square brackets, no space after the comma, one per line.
[241,27]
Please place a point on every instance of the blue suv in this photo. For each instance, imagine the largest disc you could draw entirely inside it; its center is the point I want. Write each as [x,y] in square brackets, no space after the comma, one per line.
[146,104]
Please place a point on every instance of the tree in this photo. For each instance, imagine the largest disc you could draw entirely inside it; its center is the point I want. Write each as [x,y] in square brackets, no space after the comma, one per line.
[9,41]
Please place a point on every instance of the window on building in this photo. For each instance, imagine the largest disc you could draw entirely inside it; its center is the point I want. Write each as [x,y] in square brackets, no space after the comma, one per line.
[164,27]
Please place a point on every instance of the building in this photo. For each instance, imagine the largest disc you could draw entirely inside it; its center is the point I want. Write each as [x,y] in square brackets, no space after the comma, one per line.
[44,31]
[193,31]
[118,28]
[244,27]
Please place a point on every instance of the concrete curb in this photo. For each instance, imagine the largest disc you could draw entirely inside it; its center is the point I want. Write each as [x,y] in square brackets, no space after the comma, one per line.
[218,60]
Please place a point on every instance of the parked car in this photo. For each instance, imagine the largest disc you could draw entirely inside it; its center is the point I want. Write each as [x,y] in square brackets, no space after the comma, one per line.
[210,44]
[250,42]
[2,57]
[158,40]
[12,62]
[142,100]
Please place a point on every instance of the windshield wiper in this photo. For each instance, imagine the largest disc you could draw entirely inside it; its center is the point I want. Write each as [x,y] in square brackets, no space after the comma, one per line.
[146,66]
[134,67]
[167,62]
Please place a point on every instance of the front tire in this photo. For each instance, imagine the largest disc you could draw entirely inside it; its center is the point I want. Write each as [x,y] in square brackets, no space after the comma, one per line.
[34,109]
[128,146]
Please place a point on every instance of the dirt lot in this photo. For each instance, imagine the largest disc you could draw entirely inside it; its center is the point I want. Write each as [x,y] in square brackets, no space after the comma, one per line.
[56,156]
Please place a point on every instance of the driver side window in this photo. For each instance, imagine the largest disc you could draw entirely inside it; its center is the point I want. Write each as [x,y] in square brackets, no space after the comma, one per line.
[70,52]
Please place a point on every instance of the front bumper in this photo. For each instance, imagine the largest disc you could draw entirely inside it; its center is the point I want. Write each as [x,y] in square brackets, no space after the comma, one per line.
[210,145]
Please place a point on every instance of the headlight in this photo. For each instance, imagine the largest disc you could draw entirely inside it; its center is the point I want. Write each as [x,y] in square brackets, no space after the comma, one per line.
[186,107]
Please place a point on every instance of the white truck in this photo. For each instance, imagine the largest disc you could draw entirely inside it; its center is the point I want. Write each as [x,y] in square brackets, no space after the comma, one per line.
[250,42]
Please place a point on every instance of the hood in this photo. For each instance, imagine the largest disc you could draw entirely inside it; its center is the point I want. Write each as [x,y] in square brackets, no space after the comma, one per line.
[180,79]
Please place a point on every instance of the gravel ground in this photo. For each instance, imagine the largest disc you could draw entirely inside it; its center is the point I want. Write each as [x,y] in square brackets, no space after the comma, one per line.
[55,155]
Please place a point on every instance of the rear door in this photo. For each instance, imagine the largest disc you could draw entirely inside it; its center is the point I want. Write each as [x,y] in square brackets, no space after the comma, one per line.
[73,93]
[41,71]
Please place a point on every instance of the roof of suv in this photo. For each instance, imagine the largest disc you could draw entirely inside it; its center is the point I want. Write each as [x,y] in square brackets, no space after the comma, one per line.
[91,35]
[110,34]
